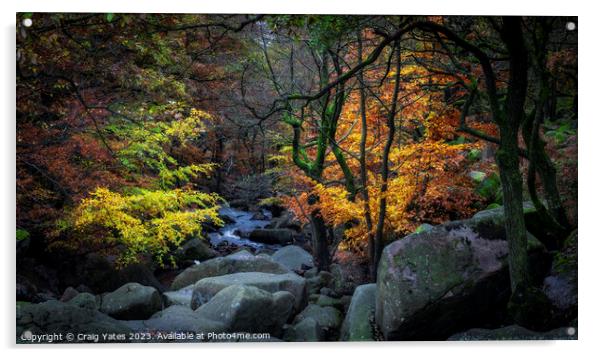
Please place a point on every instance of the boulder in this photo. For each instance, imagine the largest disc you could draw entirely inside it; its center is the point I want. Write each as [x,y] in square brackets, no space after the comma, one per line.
[272,236]
[69,294]
[294,258]
[561,285]
[342,280]
[132,301]
[205,289]
[58,317]
[179,297]
[306,330]
[285,221]
[357,325]
[86,301]
[195,249]
[243,308]
[515,332]
[177,318]
[241,261]
[328,318]
[433,283]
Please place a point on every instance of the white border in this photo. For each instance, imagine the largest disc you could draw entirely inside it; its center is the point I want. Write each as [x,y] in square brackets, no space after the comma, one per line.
[590,132]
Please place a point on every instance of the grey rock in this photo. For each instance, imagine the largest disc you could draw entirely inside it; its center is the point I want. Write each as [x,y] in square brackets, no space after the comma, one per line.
[561,285]
[357,325]
[179,297]
[306,330]
[293,257]
[86,301]
[195,249]
[69,294]
[449,268]
[132,301]
[241,261]
[244,308]
[59,317]
[327,317]
[206,288]
[177,318]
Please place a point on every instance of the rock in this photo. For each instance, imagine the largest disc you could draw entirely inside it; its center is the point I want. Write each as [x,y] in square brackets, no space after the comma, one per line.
[86,301]
[423,228]
[69,294]
[195,249]
[243,308]
[101,275]
[272,236]
[205,289]
[306,330]
[294,258]
[322,280]
[58,317]
[328,318]
[325,300]
[26,290]
[561,285]
[242,261]
[179,297]
[515,332]
[132,301]
[342,283]
[285,221]
[432,284]
[274,205]
[259,216]
[177,318]
[357,325]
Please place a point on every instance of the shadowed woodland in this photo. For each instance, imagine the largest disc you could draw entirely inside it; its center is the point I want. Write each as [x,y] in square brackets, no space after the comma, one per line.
[350,177]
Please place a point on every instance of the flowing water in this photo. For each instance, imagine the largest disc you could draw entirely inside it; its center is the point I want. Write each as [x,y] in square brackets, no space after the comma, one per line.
[243,224]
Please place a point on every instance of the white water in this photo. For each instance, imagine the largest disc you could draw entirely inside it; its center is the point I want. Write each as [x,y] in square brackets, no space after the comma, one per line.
[243,222]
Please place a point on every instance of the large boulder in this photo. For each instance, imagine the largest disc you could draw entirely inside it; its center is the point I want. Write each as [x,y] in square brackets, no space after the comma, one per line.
[205,289]
[132,301]
[294,257]
[243,308]
[58,317]
[561,285]
[241,261]
[433,283]
[177,318]
[515,332]
[357,325]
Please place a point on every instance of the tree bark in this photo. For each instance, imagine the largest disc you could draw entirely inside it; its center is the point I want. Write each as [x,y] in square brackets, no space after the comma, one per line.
[382,213]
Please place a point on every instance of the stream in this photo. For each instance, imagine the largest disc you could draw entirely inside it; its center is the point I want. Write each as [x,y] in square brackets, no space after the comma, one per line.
[243,224]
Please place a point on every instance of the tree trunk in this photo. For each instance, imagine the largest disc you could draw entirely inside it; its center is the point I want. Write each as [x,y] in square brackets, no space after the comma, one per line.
[508,153]
[382,213]
[362,160]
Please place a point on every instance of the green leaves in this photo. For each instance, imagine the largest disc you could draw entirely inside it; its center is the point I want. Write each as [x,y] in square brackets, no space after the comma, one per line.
[22,234]
[110,16]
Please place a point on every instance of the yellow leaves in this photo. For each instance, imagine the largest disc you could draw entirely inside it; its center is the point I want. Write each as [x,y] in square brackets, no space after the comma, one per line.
[154,222]
[188,128]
